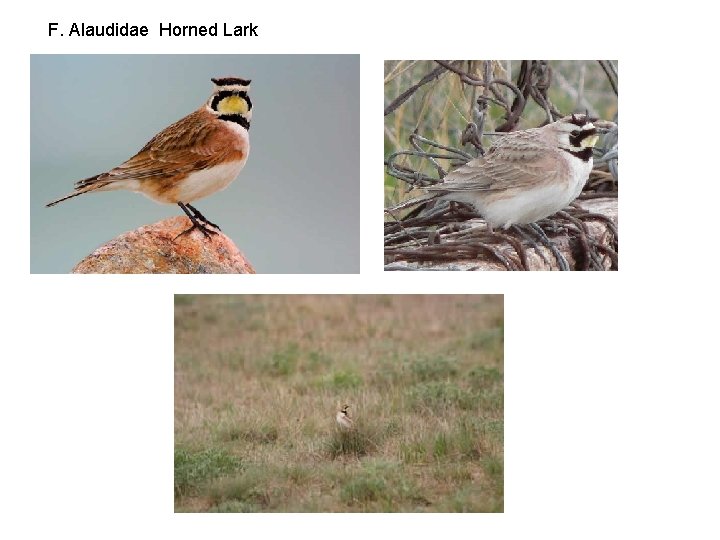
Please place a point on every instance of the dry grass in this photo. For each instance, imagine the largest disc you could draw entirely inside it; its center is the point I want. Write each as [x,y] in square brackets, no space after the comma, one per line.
[441,109]
[258,380]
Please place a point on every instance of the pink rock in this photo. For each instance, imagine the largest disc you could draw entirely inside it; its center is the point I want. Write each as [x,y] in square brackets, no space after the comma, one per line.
[152,249]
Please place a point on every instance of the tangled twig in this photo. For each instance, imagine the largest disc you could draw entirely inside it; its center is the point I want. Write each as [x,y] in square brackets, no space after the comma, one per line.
[444,231]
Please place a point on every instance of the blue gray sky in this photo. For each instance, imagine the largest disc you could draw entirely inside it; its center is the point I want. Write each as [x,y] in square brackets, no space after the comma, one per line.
[293,209]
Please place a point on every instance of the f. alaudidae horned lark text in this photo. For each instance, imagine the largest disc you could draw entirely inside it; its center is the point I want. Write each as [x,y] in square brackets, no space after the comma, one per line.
[342,418]
[525,176]
[191,159]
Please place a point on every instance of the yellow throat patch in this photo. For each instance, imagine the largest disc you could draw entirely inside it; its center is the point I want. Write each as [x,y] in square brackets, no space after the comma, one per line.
[589,142]
[232,105]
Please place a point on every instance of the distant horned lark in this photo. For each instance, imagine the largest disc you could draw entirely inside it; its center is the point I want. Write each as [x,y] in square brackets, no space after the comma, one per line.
[342,418]
[525,176]
[191,159]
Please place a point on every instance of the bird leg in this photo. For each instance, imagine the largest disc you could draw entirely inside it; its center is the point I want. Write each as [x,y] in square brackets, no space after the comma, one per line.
[195,217]
[198,215]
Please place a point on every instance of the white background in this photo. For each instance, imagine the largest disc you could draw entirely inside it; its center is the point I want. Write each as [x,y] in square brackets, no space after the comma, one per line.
[611,379]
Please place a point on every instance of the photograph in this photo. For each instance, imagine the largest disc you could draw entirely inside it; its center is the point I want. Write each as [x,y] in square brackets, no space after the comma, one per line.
[195,164]
[339,403]
[501,165]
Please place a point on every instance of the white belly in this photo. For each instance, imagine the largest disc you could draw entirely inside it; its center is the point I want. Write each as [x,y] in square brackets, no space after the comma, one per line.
[538,203]
[208,181]
[343,420]
[528,206]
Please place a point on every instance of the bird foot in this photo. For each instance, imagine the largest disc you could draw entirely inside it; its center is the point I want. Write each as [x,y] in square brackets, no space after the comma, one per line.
[197,225]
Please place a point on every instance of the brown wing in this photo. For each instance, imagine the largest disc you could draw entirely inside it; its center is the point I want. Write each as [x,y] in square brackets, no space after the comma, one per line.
[514,161]
[196,142]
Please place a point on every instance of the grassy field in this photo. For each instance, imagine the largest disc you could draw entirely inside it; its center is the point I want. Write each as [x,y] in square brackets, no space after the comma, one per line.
[258,380]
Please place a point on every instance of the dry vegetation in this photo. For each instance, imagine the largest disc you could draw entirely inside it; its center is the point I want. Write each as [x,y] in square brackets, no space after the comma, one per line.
[258,380]
[441,109]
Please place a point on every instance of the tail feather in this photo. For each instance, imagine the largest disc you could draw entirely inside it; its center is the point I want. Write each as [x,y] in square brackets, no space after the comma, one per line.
[87,182]
[65,198]
[414,202]
[81,186]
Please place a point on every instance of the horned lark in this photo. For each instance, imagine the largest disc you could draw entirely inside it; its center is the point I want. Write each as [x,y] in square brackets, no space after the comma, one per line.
[191,159]
[342,418]
[525,176]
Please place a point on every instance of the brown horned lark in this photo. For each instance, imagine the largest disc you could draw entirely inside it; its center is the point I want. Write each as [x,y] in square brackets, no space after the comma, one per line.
[342,418]
[525,176]
[191,159]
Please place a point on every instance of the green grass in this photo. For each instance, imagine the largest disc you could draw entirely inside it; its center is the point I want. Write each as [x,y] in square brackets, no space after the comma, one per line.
[263,434]
[364,489]
[283,361]
[413,452]
[480,377]
[258,380]
[431,396]
[431,369]
[193,469]
[356,442]
[440,446]
[343,379]
[245,489]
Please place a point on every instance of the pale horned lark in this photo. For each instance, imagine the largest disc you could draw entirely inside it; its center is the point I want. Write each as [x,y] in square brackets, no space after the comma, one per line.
[525,176]
[342,418]
[191,159]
